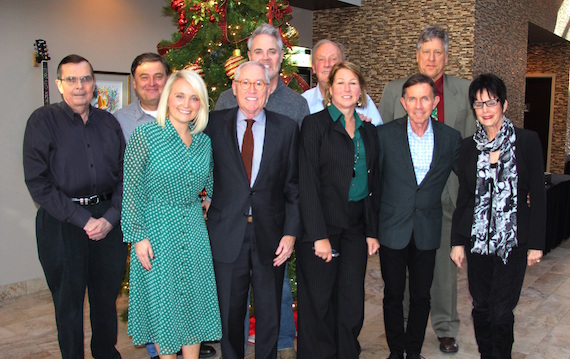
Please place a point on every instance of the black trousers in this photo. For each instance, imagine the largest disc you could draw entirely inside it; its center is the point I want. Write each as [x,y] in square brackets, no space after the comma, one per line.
[495,288]
[331,295]
[233,281]
[72,262]
[420,264]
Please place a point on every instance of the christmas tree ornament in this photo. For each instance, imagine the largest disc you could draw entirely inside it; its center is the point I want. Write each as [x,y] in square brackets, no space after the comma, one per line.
[233,63]
[196,68]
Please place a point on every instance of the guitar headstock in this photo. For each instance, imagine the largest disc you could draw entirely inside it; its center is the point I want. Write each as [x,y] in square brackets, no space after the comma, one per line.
[41,51]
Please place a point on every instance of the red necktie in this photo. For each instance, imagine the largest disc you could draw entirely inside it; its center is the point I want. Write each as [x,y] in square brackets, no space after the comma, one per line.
[247,148]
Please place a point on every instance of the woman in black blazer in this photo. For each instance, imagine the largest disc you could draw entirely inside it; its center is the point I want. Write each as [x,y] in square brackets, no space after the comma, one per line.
[338,159]
[500,219]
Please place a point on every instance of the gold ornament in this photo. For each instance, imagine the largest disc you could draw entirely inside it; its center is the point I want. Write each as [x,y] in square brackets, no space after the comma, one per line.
[233,63]
[196,68]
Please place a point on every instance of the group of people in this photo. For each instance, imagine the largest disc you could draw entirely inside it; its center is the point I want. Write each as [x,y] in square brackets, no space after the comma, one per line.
[325,174]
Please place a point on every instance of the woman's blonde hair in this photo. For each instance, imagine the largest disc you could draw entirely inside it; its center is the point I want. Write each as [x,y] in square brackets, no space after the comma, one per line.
[355,70]
[201,120]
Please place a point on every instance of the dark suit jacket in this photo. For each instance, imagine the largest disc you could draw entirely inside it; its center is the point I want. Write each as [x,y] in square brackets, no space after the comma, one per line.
[458,115]
[405,207]
[326,159]
[531,223]
[274,197]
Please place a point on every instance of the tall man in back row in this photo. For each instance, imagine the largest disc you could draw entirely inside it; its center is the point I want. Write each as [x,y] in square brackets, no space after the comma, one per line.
[266,47]
[453,110]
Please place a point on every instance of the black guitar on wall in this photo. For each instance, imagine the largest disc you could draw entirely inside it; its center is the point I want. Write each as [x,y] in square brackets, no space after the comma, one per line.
[42,56]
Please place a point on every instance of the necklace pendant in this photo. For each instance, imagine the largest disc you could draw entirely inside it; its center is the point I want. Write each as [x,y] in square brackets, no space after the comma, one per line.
[353,172]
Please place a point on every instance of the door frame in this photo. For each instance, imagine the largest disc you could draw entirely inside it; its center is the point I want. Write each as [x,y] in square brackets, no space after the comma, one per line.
[551,119]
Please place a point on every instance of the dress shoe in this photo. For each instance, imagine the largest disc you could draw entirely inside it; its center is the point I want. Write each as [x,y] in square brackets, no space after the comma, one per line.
[395,356]
[207,351]
[414,356]
[448,345]
[287,353]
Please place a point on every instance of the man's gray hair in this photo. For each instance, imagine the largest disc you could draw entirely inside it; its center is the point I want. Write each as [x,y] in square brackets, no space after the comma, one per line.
[327,41]
[252,63]
[266,29]
[431,33]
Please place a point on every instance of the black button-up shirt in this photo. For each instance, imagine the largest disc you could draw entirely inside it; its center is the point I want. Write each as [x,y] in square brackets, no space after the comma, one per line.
[65,158]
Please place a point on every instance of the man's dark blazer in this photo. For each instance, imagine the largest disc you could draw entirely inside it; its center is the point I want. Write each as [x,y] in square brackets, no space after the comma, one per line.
[274,197]
[406,207]
[531,220]
[327,157]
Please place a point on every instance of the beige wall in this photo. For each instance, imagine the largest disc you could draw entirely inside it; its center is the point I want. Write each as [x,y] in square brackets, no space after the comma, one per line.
[110,33]
[485,36]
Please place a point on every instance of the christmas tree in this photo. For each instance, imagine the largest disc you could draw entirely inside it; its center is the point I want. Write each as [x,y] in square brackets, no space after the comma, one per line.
[209,32]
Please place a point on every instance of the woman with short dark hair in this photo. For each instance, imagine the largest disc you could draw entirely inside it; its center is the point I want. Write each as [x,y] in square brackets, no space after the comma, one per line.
[500,219]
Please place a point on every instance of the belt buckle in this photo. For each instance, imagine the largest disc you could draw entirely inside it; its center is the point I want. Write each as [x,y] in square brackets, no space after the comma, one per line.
[93,200]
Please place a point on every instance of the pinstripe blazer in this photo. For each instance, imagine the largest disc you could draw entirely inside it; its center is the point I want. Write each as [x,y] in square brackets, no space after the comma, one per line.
[326,158]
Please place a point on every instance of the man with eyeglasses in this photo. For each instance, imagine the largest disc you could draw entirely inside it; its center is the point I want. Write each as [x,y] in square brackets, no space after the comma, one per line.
[254,218]
[266,47]
[73,167]
[453,110]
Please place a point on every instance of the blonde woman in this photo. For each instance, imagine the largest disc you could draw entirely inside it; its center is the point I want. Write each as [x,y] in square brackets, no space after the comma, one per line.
[173,299]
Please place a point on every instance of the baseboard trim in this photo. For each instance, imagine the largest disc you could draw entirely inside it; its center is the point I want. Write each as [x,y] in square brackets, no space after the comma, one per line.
[15,290]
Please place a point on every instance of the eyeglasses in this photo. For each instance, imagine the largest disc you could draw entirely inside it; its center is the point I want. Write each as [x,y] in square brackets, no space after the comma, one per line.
[257,85]
[490,103]
[72,80]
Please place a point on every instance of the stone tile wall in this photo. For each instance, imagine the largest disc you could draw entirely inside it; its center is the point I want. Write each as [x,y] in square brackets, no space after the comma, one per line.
[485,36]
[554,59]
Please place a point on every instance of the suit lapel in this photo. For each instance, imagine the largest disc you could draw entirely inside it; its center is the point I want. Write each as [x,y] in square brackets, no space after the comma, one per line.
[437,144]
[405,146]
[230,137]
[271,137]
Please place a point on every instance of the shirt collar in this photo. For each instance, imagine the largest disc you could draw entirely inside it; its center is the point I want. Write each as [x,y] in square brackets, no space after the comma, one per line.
[318,93]
[72,114]
[428,130]
[336,115]
[259,118]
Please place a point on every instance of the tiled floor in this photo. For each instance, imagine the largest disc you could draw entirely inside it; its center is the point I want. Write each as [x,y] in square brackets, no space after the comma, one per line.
[542,328]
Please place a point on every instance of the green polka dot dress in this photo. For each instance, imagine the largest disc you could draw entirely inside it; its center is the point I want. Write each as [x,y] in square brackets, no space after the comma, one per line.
[176,302]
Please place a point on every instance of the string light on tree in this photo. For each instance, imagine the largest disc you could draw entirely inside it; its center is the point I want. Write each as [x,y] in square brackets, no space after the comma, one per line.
[212,30]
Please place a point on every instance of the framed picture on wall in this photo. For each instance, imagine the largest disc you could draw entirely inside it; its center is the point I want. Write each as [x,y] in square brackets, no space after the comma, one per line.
[112,90]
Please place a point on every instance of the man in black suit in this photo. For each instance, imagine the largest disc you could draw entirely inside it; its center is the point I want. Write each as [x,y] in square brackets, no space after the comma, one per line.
[253,219]
[417,155]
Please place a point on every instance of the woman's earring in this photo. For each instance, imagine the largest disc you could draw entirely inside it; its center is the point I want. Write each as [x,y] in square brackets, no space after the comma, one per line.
[359,103]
